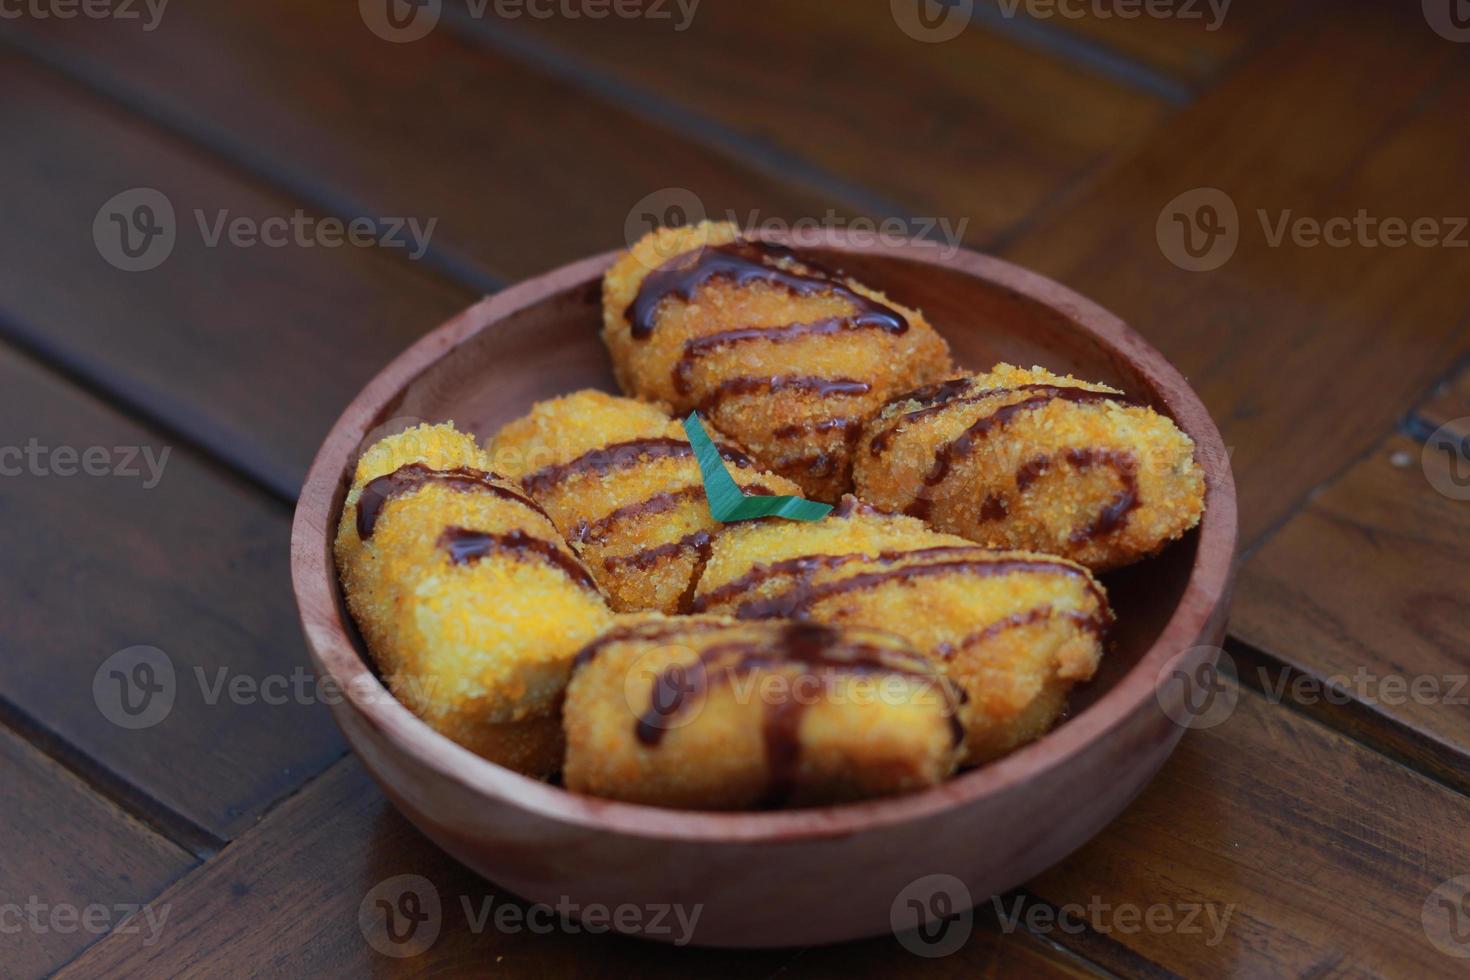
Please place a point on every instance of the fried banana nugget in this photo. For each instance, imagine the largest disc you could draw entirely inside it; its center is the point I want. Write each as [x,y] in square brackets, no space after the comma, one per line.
[1016,630]
[784,356]
[1034,460]
[470,601]
[621,482]
[703,712]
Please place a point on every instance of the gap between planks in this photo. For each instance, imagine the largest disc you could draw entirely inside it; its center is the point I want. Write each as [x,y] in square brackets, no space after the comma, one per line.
[133,800]
[1344,714]
[95,384]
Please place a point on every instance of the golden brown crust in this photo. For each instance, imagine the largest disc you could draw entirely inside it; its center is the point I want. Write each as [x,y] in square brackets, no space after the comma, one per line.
[1029,459]
[790,376]
[708,713]
[1015,629]
[469,600]
[620,481]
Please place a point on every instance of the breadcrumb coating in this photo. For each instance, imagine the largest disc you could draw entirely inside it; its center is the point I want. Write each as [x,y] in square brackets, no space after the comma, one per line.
[1029,459]
[478,643]
[1016,630]
[635,511]
[704,712]
[745,355]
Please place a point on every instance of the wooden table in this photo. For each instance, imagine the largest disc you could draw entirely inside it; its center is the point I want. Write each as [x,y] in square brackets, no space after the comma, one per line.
[1319,828]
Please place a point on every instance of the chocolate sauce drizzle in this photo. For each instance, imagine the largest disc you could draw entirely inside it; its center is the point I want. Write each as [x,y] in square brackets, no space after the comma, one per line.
[1097,624]
[411,477]
[649,557]
[750,384]
[821,653]
[622,455]
[797,602]
[964,444]
[798,598]
[700,542]
[994,508]
[659,503]
[849,427]
[1031,471]
[1113,516]
[931,399]
[935,398]
[698,347]
[466,547]
[649,632]
[744,262]
[805,566]
[701,561]
[822,463]
[741,263]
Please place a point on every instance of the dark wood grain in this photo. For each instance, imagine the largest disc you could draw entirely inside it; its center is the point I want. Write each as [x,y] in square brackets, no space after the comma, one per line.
[179,557]
[1283,684]
[78,851]
[992,951]
[1367,588]
[1304,355]
[1313,872]
[1191,42]
[309,866]
[251,351]
[1323,851]
[522,172]
[1450,404]
[976,129]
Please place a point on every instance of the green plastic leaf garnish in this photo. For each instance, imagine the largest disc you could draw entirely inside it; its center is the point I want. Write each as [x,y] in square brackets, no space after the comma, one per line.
[726,500]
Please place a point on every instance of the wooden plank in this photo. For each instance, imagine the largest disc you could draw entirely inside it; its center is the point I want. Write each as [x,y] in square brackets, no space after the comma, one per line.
[252,351]
[976,129]
[522,172]
[1325,862]
[987,952]
[1357,110]
[83,867]
[286,898]
[109,544]
[1367,587]
[1191,41]
[1450,404]
[1324,854]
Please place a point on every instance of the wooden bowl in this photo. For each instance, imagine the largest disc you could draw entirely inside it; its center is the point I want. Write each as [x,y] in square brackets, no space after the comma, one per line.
[801,876]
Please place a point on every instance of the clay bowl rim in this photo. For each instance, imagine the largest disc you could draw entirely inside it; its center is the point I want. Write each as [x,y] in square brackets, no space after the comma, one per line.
[335,653]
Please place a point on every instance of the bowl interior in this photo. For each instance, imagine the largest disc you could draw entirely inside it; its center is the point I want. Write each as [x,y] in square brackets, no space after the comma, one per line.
[552,346]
